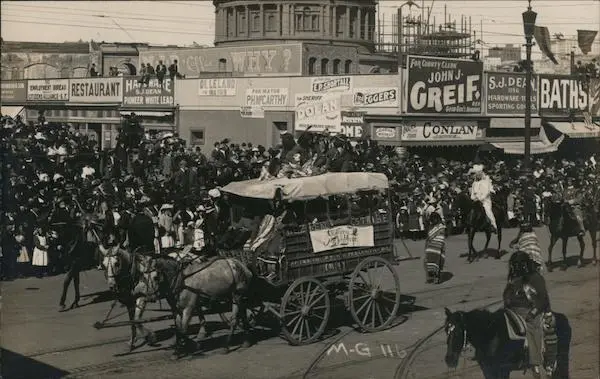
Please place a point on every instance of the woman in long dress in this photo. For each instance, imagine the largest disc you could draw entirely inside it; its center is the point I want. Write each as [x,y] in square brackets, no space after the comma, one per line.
[435,249]
[40,251]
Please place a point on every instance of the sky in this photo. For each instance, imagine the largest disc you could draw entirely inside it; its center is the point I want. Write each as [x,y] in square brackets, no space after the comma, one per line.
[187,22]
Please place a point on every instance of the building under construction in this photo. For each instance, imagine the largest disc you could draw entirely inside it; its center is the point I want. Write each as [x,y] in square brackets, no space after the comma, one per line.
[420,33]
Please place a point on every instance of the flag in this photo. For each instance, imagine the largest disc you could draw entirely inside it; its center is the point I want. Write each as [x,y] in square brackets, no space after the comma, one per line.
[587,119]
[542,37]
[585,38]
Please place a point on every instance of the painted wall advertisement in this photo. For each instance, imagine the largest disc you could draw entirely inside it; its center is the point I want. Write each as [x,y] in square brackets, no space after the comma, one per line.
[443,85]
[376,97]
[342,236]
[14,91]
[441,131]
[331,84]
[562,95]
[48,90]
[217,87]
[320,113]
[267,97]
[505,95]
[352,124]
[270,60]
[153,94]
[96,90]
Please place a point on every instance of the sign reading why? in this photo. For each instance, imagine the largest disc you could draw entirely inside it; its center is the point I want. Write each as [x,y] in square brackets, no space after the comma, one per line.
[443,85]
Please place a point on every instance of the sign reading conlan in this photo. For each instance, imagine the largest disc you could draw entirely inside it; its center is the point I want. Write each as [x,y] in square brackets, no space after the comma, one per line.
[319,112]
[443,85]
[561,95]
[96,90]
[153,94]
[440,131]
[48,90]
[267,60]
[505,94]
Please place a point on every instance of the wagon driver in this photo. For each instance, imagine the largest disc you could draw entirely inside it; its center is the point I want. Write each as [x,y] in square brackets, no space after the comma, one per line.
[481,191]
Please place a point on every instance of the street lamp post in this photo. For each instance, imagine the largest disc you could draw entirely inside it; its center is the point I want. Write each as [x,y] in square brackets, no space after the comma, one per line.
[529,17]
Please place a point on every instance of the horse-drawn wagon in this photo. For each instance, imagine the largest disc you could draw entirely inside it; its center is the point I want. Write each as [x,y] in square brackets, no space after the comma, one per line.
[331,237]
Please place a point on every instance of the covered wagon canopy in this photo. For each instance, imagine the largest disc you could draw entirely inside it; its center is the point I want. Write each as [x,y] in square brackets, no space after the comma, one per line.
[309,187]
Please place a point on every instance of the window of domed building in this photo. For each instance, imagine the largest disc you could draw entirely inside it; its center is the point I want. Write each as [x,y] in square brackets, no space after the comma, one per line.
[241,16]
[348,67]
[254,19]
[307,19]
[336,66]
[230,22]
[324,66]
[270,12]
[312,66]
[340,21]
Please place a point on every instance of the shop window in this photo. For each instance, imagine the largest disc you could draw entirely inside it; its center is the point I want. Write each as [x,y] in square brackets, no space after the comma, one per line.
[6,73]
[324,66]
[336,66]
[348,67]
[80,72]
[41,71]
[65,72]
[312,66]
[197,137]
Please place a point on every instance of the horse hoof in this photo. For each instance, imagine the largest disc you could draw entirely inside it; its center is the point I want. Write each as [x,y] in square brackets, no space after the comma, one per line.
[246,344]
[151,338]
[225,351]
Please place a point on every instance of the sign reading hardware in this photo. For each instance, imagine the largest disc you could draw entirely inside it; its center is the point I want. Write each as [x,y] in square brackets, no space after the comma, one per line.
[440,131]
[443,85]
[319,112]
[96,90]
[376,97]
[48,90]
[331,84]
[153,94]
[269,97]
[505,94]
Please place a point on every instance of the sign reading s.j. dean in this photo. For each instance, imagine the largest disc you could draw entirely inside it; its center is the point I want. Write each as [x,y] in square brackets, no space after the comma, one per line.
[443,86]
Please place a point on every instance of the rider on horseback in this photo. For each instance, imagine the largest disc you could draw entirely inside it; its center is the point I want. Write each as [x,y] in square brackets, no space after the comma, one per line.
[527,242]
[481,191]
[571,198]
[526,295]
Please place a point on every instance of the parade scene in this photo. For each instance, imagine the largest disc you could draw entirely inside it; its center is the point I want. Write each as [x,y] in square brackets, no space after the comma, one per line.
[319,189]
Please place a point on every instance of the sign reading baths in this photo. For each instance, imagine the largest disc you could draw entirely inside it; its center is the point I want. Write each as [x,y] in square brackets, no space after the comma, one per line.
[96,90]
[443,85]
[153,94]
[561,94]
[440,131]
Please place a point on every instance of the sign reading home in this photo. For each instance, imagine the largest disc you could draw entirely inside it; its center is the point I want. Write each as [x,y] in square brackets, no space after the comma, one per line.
[560,94]
[505,95]
[319,112]
[376,97]
[154,93]
[342,236]
[331,84]
[352,123]
[217,87]
[440,131]
[443,85]
[48,90]
[96,90]
[267,97]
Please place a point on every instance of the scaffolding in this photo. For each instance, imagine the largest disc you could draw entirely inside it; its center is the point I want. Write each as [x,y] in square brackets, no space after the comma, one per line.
[420,34]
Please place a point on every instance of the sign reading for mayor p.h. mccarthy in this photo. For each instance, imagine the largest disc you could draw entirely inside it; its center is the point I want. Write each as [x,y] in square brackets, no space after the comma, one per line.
[267,97]
[443,85]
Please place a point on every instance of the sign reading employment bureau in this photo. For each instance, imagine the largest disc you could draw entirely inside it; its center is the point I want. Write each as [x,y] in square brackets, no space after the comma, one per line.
[505,94]
[443,85]
[48,90]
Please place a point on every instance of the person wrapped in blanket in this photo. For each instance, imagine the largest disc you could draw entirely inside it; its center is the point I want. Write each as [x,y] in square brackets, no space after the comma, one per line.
[435,249]
[527,241]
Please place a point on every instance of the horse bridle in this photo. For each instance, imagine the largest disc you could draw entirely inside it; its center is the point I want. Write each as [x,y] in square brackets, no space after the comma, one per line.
[464,329]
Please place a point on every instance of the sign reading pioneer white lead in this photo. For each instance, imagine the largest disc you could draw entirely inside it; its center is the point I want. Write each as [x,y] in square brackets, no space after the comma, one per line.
[440,131]
[376,97]
[267,97]
[331,84]
[560,94]
[320,112]
[148,95]
[443,85]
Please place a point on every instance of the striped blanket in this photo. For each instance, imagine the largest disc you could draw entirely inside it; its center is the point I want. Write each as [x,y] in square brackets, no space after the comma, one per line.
[435,248]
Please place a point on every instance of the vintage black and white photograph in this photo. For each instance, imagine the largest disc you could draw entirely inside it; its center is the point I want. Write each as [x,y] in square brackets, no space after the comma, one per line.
[300,189]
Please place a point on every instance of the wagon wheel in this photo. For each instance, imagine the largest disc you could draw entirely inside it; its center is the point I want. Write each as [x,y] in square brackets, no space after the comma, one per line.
[374,294]
[253,313]
[305,310]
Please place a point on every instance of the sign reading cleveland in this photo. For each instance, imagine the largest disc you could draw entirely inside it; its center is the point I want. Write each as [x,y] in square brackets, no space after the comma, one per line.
[443,85]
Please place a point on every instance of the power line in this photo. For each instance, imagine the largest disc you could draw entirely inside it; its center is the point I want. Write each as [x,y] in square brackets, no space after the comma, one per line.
[535,6]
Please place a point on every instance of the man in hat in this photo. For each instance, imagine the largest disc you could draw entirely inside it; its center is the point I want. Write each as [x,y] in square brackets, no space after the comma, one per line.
[572,198]
[481,191]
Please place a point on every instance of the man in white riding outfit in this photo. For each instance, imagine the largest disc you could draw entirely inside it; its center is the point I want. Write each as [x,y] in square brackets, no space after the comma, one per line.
[481,191]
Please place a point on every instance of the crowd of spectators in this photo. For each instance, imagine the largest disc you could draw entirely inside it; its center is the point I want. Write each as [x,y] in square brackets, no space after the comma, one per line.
[49,168]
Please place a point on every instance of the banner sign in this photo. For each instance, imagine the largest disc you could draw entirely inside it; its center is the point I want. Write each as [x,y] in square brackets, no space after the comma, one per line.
[252,112]
[14,91]
[594,97]
[440,131]
[561,94]
[153,94]
[443,85]
[376,97]
[267,97]
[96,90]
[331,84]
[267,60]
[352,124]
[319,112]
[217,87]
[342,236]
[48,90]
[505,94]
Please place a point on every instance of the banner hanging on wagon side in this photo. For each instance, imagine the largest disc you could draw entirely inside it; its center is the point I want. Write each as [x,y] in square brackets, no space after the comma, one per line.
[342,236]
[151,93]
[443,86]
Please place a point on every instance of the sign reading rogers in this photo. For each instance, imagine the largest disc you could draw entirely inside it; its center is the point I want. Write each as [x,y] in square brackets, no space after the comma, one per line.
[136,93]
[443,85]
[561,94]
[376,97]
[440,131]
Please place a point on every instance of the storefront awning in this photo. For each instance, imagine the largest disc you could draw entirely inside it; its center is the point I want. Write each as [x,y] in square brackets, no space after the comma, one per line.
[440,143]
[11,111]
[577,129]
[147,113]
[513,123]
[537,147]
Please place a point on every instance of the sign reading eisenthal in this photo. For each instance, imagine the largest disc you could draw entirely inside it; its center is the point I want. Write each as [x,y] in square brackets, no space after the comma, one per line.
[443,85]
[96,90]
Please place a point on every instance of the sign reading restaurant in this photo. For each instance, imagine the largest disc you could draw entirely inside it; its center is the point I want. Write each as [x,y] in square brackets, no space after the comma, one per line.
[96,90]
[48,90]
[151,94]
